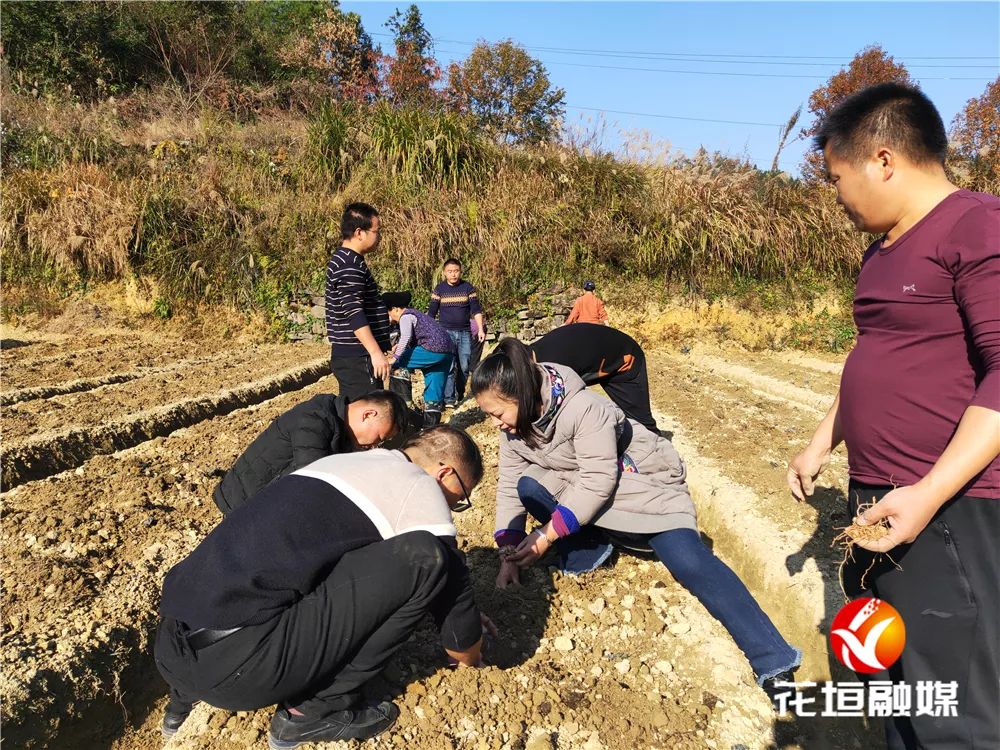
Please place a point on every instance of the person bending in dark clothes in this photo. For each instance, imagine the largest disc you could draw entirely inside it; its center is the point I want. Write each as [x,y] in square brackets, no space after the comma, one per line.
[605,356]
[323,425]
[302,595]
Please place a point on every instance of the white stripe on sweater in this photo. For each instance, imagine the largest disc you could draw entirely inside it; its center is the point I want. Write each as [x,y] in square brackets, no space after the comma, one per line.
[365,505]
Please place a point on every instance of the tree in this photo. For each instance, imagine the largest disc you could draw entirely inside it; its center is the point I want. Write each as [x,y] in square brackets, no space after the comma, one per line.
[508,91]
[111,47]
[869,67]
[337,51]
[413,71]
[975,138]
[83,46]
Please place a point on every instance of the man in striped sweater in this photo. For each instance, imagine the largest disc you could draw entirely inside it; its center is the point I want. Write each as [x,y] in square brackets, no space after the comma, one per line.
[357,323]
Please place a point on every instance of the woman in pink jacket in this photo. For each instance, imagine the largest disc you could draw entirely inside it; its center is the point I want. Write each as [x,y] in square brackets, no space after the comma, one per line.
[594,479]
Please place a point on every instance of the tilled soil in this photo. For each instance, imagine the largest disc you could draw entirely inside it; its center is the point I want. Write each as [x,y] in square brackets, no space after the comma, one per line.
[621,658]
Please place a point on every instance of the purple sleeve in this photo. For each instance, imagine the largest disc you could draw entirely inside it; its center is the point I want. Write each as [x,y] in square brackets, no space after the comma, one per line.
[973,254]
[406,326]
[564,521]
[509,537]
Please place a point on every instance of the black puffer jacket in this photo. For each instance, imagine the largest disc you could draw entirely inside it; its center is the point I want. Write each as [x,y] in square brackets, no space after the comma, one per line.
[303,434]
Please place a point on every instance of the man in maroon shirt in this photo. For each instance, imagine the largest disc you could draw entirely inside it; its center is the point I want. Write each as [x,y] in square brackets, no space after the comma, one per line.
[919,405]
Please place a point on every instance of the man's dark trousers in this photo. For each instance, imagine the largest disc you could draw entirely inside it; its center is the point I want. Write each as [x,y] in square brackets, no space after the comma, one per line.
[947,590]
[355,375]
[630,392]
[318,653]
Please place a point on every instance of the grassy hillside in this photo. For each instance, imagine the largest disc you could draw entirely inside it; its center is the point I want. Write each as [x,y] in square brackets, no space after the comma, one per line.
[207,208]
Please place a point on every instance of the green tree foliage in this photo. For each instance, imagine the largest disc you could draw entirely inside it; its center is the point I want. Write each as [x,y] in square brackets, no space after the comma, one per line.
[869,67]
[85,45]
[508,92]
[412,73]
[108,47]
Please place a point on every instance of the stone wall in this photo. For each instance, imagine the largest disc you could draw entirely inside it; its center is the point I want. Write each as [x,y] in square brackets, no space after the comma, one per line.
[543,310]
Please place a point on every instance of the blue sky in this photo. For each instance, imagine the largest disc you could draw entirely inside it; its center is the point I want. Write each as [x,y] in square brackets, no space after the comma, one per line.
[767,44]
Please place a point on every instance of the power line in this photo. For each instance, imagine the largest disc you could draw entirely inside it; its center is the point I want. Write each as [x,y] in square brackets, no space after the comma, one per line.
[685,55]
[676,117]
[719,72]
[740,75]
[738,62]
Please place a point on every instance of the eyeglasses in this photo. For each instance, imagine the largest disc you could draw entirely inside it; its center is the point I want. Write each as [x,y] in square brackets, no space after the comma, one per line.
[461,505]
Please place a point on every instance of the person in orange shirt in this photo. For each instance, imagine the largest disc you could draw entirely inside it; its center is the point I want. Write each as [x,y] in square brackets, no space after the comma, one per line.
[588,307]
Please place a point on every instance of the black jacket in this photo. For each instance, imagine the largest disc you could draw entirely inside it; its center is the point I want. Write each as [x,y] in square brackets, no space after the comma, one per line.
[278,547]
[303,434]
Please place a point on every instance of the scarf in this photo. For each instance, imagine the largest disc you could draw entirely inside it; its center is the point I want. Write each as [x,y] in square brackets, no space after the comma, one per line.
[557,395]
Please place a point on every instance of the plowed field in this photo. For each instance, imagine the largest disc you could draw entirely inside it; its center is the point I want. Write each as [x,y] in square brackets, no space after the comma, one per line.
[113,444]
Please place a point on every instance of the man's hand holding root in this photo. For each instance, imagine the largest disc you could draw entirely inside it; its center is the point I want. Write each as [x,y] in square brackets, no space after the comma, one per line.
[907,510]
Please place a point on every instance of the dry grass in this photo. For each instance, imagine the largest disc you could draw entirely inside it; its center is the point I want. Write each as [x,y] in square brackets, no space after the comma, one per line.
[227,212]
[681,320]
[86,221]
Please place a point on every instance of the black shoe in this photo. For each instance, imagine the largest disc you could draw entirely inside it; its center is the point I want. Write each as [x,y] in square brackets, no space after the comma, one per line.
[175,715]
[770,686]
[431,419]
[289,731]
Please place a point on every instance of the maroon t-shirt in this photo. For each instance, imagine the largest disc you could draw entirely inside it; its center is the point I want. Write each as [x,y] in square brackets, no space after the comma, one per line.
[927,310]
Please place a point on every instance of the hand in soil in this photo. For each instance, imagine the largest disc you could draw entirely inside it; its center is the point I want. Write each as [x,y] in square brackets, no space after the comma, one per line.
[489,628]
[509,574]
[907,510]
[530,549]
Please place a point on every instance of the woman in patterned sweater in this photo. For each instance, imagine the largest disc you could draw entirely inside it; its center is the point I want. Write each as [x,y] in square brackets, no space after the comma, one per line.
[423,345]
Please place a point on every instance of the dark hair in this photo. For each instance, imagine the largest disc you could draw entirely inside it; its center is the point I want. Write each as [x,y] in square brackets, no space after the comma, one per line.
[889,114]
[510,370]
[393,405]
[452,262]
[356,216]
[452,446]
[396,299]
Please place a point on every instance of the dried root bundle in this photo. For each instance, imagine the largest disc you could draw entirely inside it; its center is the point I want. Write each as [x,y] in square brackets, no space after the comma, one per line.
[849,535]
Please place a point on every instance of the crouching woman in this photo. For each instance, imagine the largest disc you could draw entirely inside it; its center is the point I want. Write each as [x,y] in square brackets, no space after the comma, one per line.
[594,479]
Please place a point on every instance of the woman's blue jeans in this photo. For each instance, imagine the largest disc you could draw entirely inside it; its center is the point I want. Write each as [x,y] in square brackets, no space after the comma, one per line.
[692,564]
[435,367]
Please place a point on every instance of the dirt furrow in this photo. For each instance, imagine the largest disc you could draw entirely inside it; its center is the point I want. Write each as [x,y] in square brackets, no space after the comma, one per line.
[117,354]
[833,366]
[28,351]
[86,552]
[116,402]
[54,452]
[793,395]
[74,386]
[790,368]
[89,384]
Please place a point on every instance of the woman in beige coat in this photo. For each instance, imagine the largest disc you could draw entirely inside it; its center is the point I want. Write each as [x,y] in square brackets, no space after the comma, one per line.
[594,479]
